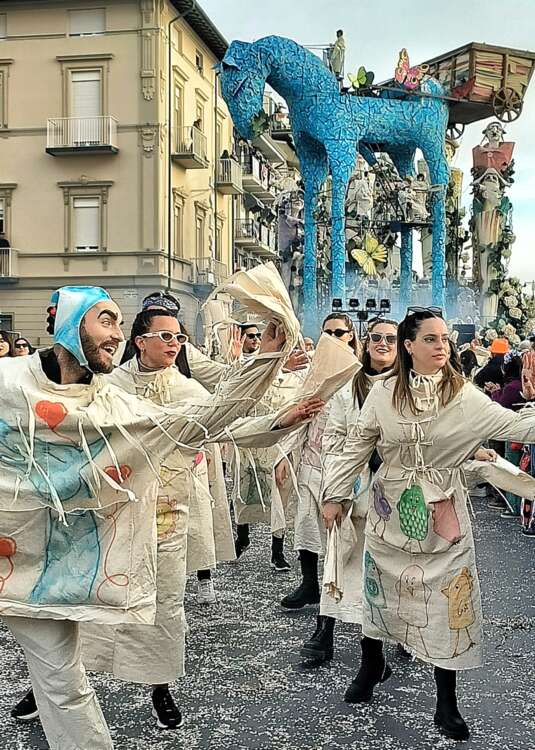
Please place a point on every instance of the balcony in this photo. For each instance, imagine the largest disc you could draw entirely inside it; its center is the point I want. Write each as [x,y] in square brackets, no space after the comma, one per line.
[257,178]
[229,177]
[81,135]
[8,265]
[251,235]
[210,271]
[190,149]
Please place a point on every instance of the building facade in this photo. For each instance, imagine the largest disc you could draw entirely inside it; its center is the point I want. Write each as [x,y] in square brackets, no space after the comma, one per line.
[88,193]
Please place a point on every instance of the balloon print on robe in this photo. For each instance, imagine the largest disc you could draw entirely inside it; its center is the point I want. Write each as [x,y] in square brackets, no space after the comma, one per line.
[374,591]
[461,613]
[414,595]
[413,516]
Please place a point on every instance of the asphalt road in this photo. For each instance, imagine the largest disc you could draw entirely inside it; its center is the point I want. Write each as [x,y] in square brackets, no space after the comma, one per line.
[245,688]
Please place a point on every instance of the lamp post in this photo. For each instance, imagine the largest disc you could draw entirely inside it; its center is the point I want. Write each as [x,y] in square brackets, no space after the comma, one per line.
[169,142]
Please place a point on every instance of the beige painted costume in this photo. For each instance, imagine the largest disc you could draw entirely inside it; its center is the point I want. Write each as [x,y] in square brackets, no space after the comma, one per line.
[418,517]
[188,534]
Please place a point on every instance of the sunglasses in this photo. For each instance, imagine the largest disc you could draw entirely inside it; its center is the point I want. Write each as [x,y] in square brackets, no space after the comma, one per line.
[338,332]
[167,336]
[431,309]
[253,336]
[388,338]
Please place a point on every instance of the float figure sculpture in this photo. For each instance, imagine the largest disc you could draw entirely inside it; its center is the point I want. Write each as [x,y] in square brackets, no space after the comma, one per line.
[328,129]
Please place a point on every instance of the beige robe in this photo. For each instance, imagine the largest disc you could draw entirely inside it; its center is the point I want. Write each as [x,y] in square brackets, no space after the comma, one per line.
[154,654]
[420,582]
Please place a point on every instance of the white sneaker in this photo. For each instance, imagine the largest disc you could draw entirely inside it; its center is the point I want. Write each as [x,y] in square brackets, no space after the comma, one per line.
[205,592]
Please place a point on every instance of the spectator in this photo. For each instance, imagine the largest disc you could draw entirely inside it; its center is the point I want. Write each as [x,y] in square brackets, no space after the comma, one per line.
[22,347]
[5,345]
[469,359]
[510,397]
[5,244]
[492,371]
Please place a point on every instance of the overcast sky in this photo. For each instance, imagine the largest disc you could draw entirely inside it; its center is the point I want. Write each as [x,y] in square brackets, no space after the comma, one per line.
[375,31]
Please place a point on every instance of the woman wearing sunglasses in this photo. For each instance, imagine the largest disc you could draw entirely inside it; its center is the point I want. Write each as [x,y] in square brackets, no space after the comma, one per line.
[378,357]
[420,582]
[154,654]
[309,531]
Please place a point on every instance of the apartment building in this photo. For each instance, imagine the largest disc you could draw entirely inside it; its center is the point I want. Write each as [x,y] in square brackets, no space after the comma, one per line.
[94,187]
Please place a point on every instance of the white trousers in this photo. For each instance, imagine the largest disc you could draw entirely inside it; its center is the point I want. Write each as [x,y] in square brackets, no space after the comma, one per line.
[68,707]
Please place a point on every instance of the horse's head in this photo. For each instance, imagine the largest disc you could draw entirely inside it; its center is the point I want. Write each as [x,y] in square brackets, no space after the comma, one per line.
[244,70]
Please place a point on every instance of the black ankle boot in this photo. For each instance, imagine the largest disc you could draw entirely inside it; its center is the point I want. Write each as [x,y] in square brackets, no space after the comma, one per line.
[242,541]
[373,670]
[309,591]
[449,721]
[278,562]
[320,647]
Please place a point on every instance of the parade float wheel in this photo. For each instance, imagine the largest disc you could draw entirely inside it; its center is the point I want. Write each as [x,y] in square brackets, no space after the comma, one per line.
[508,104]
[455,130]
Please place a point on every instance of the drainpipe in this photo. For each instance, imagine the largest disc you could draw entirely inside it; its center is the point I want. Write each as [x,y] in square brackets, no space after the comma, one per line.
[170,143]
[216,156]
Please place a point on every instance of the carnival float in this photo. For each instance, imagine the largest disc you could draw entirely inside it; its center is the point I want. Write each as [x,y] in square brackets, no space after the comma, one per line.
[364,195]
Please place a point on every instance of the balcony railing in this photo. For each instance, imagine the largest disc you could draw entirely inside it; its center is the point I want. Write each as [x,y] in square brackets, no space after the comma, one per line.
[8,262]
[257,178]
[190,148]
[256,236]
[210,271]
[67,135]
[229,177]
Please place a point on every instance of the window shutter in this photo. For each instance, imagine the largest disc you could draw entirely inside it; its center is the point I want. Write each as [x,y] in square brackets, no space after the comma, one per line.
[3,25]
[86,224]
[92,21]
[86,93]
[2,215]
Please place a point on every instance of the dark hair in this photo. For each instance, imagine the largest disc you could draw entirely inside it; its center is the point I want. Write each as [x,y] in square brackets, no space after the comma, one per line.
[21,338]
[455,359]
[361,384]
[245,326]
[5,337]
[452,381]
[142,323]
[354,344]
[181,360]
[512,369]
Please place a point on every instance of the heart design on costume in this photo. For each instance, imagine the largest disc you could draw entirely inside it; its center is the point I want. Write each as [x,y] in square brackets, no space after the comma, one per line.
[198,458]
[8,546]
[125,472]
[51,412]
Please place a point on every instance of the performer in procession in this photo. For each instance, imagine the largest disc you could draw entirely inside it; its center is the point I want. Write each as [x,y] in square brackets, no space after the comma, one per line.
[420,582]
[81,463]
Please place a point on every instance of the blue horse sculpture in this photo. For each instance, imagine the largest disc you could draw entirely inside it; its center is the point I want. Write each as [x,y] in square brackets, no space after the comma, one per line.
[328,129]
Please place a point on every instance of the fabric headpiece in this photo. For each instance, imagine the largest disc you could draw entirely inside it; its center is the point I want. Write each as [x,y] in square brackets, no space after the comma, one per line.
[72,303]
[161,300]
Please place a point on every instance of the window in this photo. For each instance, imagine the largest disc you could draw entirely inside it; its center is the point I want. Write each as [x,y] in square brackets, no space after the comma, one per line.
[6,322]
[218,139]
[199,235]
[199,61]
[86,93]
[3,227]
[177,39]
[87,22]
[86,213]
[4,75]
[178,110]
[219,239]
[3,25]
[179,230]
[199,117]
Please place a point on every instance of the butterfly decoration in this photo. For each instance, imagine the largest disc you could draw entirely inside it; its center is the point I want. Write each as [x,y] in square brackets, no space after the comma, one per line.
[370,254]
[409,77]
[363,79]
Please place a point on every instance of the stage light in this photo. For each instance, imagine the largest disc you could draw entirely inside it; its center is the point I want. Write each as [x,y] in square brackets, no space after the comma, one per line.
[362,315]
[353,303]
[385,305]
[337,303]
[371,304]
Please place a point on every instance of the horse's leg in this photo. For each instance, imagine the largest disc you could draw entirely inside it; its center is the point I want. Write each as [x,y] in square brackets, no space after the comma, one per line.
[314,169]
[439,173]
[342,155]
[404,162]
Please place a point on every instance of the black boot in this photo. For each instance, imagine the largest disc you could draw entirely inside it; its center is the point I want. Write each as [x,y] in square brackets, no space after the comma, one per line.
[447,717]
[309,591]
[278,561]
[242,541]
[373,670]
[320,647]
